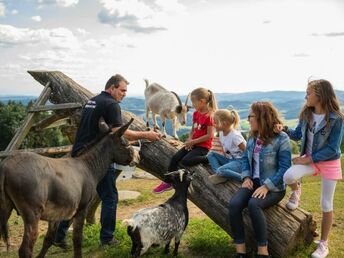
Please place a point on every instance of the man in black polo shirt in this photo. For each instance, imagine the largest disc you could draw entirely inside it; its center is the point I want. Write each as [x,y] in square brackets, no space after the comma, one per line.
[105,105]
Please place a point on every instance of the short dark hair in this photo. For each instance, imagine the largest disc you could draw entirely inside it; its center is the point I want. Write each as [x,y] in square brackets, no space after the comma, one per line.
[115,80]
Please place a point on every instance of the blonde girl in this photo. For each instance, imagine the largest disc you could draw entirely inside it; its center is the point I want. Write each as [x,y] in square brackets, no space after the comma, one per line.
[201,135]
[228,165]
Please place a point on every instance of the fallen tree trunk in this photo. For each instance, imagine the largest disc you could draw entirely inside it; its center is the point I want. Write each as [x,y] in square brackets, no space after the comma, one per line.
[287,230]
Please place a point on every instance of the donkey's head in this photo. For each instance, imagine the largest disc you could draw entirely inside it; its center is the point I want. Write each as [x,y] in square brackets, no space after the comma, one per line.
[122,152]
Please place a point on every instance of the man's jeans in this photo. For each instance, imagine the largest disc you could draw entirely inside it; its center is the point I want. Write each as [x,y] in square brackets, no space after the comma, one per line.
[224,166]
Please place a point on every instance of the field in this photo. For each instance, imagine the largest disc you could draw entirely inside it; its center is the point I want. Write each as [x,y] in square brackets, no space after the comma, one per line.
[202,238]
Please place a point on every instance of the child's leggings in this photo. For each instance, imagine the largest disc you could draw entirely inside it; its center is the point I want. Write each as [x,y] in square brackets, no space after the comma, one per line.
[328,186]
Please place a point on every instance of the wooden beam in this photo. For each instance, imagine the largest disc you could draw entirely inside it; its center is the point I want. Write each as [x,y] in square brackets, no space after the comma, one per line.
[54,107]
[29,120]
[42,151]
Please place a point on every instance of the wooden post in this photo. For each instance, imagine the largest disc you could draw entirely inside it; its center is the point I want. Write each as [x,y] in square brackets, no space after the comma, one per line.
[287,230]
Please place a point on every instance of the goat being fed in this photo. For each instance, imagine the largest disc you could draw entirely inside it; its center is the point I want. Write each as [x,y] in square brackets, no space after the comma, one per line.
[160,224]
[167,105]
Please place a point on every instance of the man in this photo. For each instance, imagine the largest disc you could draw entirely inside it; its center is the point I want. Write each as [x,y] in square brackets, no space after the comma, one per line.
[105,105]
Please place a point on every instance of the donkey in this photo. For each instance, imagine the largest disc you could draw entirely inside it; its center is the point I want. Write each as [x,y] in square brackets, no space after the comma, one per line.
[55,189]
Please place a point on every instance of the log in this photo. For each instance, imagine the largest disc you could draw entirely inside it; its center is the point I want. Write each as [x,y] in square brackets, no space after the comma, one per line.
[287,230]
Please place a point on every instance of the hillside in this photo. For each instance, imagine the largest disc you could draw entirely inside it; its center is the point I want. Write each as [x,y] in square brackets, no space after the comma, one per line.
[288,103]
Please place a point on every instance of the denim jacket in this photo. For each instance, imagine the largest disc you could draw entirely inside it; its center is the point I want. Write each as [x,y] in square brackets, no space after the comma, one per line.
[327,139]
[274,160]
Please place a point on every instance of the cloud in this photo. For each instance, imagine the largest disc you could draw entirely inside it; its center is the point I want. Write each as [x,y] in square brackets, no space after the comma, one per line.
[138,16]
[62,3]
[301,55]
[14,12]
[36,18]
[58,38]
[329,34]
[2,9]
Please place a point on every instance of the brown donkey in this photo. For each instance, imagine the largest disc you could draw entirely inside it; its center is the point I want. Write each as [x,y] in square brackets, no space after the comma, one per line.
[55,189]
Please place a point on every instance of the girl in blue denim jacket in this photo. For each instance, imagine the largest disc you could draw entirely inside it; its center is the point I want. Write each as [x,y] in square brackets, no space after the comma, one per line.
[266,158]
[320,130]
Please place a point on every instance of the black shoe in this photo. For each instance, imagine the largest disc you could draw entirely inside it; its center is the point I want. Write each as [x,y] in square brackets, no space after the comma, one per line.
[240,255]
[63,244]
[112,242]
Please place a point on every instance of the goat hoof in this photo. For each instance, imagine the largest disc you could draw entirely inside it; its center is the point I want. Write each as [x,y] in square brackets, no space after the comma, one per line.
[148,129]
[164,136]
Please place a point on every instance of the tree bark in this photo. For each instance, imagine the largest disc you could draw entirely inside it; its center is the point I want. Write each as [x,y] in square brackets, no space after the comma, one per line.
[287,230]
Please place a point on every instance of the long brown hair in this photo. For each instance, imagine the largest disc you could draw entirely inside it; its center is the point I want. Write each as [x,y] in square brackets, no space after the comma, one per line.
[267,117]
[208,95]
[328,100]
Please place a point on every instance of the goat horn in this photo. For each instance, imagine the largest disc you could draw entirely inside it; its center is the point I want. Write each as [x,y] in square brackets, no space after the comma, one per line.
[181,173]
[179,101]
[187,98]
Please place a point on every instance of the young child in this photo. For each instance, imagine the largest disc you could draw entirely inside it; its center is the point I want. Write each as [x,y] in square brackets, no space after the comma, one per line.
[198,144]
[320,129]
[266,158]
[233,143]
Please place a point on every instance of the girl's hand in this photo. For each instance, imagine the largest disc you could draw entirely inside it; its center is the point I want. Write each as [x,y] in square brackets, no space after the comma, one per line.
[188,144]
[302,160]
[278,128]
[248,183]
[260,192]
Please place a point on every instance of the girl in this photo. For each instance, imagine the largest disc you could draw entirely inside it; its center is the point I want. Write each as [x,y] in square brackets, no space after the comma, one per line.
[266,158]
[198,144]
[233,143]
[320,129]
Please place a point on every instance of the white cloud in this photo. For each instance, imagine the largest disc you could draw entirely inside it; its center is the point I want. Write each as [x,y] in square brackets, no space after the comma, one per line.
[138,16]
[36,18]
[59,38]
[14,12]
[2,9]
[62,3]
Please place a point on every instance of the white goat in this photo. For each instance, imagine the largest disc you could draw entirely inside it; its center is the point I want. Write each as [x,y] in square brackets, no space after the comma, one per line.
[167,105]
[160,224]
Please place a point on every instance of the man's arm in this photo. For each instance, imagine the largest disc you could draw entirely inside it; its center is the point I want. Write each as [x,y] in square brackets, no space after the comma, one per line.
[136,135]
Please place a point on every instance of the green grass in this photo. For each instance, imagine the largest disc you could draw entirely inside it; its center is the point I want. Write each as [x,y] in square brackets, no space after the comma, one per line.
[202,238]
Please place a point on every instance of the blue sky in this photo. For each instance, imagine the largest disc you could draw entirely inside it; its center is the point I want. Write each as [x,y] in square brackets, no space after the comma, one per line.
[223,45]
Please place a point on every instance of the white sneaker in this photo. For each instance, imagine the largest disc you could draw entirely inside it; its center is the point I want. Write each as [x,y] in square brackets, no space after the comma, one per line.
[294,199]
[322,250]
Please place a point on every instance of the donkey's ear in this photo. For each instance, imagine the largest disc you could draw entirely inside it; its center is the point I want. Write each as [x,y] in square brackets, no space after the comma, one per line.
[123,128]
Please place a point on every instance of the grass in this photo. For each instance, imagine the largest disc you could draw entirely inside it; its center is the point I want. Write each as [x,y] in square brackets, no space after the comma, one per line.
[202,238]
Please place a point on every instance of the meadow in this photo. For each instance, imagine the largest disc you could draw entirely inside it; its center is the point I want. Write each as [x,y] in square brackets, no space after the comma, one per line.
[202,238]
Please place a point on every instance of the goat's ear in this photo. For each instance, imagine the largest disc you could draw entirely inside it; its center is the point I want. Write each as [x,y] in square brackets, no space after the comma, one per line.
[179,109]
[123,128]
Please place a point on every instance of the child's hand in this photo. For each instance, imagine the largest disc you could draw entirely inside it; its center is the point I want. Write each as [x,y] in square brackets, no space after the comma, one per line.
[302,160]
[261,192]
[278,128]
[189,144]
[247,183]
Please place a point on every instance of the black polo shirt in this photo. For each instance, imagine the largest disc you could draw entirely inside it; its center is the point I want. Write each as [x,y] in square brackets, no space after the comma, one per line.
[102,105]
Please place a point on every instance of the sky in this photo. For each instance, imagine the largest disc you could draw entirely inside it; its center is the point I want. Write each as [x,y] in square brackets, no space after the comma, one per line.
[223,45]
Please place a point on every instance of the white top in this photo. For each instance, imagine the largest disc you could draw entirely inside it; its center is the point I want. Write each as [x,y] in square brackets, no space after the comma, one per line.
[310,132]
[257,148]
[231,142]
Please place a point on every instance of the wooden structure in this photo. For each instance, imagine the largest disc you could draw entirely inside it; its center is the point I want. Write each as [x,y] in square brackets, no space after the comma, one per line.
[287,230]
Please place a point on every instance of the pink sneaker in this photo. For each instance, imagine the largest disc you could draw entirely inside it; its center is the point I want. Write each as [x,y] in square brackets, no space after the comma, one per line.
[294,199]
[322,250]
[162,188]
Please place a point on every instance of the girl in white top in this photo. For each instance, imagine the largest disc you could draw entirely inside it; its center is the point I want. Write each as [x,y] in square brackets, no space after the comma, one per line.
[228,164]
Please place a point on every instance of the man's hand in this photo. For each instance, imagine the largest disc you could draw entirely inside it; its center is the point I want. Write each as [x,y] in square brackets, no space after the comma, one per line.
[153,136]
[248,183]
[261,192]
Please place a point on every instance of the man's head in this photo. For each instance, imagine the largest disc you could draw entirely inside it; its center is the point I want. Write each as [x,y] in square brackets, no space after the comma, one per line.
[117,87]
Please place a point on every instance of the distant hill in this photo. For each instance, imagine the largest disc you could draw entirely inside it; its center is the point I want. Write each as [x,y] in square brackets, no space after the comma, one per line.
[288,103]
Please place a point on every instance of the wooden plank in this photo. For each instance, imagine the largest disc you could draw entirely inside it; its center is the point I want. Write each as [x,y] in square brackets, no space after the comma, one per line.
[29,120]
[42,151]
[54,107]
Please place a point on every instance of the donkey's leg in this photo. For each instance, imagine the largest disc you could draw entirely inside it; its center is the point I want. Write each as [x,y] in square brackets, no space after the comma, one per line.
[48,239]
[78,224]
[30,234]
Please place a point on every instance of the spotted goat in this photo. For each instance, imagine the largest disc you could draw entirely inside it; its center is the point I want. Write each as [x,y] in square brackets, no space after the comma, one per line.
[160,224]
